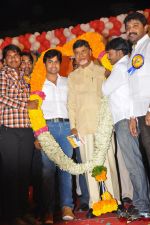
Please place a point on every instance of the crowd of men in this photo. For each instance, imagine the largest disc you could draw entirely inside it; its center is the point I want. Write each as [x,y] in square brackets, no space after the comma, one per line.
[70,107]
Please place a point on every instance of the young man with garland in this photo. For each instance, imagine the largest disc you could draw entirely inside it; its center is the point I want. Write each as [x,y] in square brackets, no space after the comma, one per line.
[16,139]
[55,112]
[84,97]
[116,87]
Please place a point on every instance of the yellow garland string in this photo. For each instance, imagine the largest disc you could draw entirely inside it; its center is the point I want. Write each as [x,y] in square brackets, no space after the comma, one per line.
[36,116]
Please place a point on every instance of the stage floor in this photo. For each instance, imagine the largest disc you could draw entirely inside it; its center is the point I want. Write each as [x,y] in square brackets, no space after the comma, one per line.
[107,219]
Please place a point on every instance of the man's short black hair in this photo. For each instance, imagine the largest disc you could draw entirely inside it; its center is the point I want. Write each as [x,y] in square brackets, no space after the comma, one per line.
[29,55]
[136,16]
[10,47]
[51,54]
[119,44]
[80,43]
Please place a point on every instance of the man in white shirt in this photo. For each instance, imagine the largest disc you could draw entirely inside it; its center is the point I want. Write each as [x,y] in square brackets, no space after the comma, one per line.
[117,89]
[139,78]
[55,113]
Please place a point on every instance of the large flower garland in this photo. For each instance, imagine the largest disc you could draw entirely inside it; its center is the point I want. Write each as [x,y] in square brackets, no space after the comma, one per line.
[98,49]
[101,144]
[48,143]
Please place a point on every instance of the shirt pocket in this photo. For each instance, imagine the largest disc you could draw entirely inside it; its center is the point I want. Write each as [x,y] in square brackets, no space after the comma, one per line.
[63,93]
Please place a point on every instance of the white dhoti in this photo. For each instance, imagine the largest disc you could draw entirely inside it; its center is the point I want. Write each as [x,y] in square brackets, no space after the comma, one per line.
[86,152]
[112,182]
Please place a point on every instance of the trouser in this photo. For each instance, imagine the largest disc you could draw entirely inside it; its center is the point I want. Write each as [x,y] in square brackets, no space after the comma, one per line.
[36,179]
[16,149]
[81,184]
[126,185]
[130,150]
[60,131]
[145,137]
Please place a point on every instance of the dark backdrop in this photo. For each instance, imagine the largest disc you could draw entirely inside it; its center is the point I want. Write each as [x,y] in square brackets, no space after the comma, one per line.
[23,16]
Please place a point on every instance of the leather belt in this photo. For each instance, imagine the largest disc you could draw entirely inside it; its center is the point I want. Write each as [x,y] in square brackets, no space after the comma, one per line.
[56,120]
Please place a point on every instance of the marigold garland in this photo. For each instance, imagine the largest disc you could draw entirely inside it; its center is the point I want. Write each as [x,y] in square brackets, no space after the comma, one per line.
[96,42]
[40,124]
[39,73]
[106,196]
[101,177]
[104,206]
[107,202]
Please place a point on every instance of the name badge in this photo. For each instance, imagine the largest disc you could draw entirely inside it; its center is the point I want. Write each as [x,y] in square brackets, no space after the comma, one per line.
[137,63]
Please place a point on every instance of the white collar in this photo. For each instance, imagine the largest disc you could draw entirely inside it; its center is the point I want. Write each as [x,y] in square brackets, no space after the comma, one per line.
[124,58]
[145,37]
[48,81]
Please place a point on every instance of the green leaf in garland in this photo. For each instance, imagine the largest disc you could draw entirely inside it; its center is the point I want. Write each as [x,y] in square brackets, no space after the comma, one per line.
[97,170]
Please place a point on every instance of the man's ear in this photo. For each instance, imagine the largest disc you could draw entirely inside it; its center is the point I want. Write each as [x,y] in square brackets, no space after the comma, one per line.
[90,52]
[146,28]
[121,53]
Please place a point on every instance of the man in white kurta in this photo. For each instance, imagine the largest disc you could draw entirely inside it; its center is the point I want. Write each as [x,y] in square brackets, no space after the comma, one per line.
[116,87]
[84,96]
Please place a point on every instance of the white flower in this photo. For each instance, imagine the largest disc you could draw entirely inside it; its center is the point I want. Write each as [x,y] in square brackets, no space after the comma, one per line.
[102,141]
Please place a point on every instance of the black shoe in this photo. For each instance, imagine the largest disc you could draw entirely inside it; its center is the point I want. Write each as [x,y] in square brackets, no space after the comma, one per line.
[90,214]
[127,200]
[129,213]
[127,203]
[83,207]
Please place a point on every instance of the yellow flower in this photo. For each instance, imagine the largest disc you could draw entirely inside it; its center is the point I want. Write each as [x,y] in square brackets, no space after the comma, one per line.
[101,177]
[36,116]
[99,172]
[106,63]
[104,206]
[106,196]
[96,43]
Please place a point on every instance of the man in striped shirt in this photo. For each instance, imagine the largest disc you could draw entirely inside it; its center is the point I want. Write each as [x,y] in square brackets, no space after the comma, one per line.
[16,138]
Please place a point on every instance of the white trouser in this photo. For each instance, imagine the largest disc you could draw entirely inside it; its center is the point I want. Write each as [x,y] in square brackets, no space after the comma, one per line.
[86,152]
